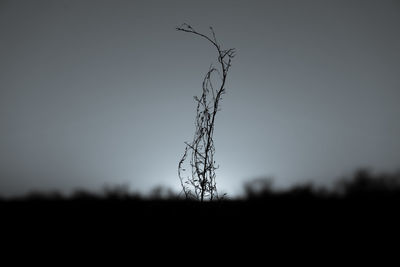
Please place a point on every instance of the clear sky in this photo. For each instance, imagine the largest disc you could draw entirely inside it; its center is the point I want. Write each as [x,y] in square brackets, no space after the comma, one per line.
[101,92]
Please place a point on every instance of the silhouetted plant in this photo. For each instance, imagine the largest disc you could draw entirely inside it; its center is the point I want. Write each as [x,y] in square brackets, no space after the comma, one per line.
[258,187]
[366,184]
[201,184]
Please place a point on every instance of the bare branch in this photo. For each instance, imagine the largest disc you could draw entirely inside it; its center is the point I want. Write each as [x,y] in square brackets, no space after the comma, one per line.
[202,149]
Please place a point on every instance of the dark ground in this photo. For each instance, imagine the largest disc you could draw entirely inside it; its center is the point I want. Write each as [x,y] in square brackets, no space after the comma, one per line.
[362,210]
[363,199]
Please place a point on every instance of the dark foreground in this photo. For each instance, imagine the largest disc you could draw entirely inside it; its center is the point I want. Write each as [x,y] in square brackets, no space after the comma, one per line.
[298,222]
[358,221]
[266,226]
[362,208]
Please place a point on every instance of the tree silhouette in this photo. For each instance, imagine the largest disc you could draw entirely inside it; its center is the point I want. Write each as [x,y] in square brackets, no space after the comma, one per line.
[200,183]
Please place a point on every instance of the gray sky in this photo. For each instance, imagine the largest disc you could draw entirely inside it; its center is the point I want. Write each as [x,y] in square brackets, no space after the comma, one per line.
[101,92]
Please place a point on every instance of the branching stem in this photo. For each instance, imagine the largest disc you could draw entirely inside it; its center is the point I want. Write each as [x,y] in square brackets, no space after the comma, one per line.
[201,184]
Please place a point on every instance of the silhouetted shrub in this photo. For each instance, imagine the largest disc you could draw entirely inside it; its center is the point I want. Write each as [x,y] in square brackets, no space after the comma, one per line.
[118,192]
[364,184]
[43,196]
[162,193]
[261,187]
